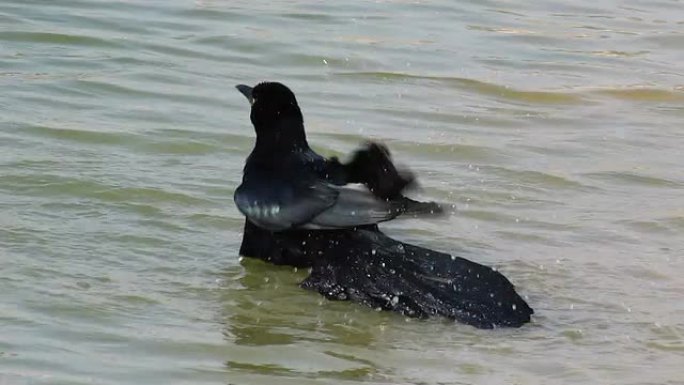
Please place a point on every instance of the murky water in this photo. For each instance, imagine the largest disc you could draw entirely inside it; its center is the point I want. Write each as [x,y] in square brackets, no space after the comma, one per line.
[555,127]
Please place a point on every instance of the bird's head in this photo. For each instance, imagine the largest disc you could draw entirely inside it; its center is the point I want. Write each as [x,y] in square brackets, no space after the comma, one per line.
[275,114]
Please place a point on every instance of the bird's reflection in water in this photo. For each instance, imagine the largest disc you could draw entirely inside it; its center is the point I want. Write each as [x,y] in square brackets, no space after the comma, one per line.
[277,328]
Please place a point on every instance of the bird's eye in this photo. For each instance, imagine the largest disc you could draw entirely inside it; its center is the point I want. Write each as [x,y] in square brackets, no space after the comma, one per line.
[252,100]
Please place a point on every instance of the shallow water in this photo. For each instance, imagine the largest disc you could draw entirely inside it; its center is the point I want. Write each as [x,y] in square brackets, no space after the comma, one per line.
[555,128]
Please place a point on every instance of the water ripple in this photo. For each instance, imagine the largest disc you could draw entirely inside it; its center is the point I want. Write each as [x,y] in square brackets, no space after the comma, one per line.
[485,88]
[635,179]
[56,38]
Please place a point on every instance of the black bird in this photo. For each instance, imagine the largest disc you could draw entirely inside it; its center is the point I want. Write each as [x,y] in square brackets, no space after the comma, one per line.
[287,185]
[287,189]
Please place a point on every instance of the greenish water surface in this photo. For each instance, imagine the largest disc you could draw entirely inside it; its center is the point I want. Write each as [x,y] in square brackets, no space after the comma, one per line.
[555,127]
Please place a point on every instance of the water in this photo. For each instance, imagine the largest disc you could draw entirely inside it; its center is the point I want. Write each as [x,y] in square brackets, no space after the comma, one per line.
[555,128]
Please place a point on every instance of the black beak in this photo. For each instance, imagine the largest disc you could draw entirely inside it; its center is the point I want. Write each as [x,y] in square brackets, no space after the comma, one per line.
[247,91]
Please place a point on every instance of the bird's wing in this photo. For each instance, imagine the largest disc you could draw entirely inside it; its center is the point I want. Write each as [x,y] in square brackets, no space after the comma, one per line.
[328,170]
[278,204]
[355,207]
